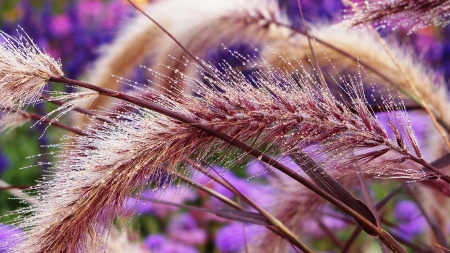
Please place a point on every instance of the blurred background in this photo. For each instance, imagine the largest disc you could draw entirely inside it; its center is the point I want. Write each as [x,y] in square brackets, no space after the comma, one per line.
[74,31]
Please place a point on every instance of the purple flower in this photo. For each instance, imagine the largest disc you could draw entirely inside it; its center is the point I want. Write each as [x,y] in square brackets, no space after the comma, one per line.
[411,221]
[4,163]
[159,243]
[188,237]
[8,237]
[182,221]
[61,25]
[260,193]
[257,168]
[230,238]
[329,221]
[170,194]
[90,8]
[183,228]
[155,242]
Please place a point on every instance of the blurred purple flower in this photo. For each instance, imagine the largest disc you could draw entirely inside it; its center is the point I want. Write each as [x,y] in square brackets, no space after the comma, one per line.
[190,237]
[172,194]
[183,228]
[230,238]
[332,223]
[9,236]
[411,221]
[60,25]
[330,10]
[155,242]
[260,193]
[90,9]
[159,243]
[74,35]
[182,221]
[4,162]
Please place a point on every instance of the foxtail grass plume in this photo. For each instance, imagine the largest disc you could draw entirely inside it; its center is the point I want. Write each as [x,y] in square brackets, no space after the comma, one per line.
[274,111]
[259,23]
[412,14]
[197,24]
[24,71]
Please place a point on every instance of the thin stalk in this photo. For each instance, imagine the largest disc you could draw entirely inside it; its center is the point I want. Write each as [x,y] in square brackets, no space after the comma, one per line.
[356,232]
[351,239]
[36,116]
[410,245]
[378,207]
[176,41]
[8,187]
[369,202]
[383,235]
[330,234]
[15,191]
[224,199]
[383,202]
[210,191]
[446,249]
[388,223]
[213,177]
[343,218]
[431,221]
[316,64]
[275,222]
[438,172]
[225,184]
[78,109]
[220,213]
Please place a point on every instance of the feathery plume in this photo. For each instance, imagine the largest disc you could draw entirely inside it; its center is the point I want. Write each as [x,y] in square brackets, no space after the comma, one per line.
[412,14]
[261,23]
[24,71]
[197,24]
[370,52]
[273,111]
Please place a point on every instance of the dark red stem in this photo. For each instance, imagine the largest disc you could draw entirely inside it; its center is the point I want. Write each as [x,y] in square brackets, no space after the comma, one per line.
[383,235]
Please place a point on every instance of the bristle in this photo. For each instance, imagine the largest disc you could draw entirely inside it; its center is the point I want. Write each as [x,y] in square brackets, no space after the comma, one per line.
[276,111]
[386,76]
[24,71]
[269,111]
[412,14]
[196,24]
